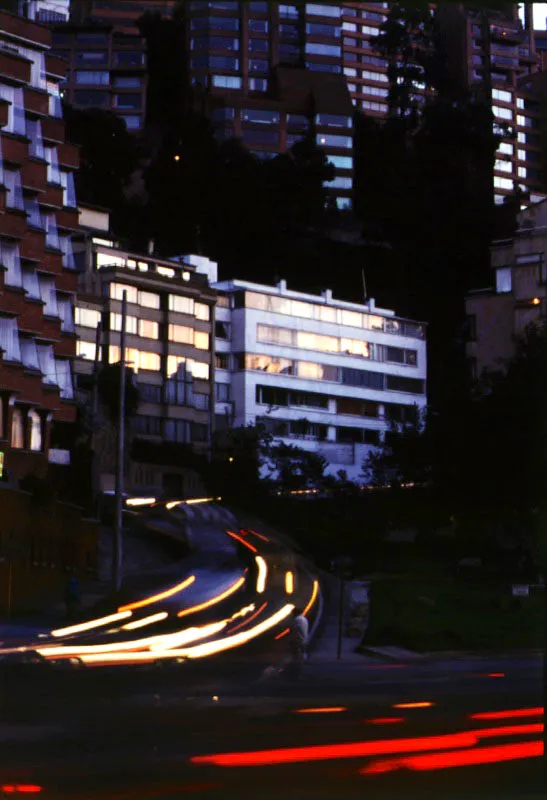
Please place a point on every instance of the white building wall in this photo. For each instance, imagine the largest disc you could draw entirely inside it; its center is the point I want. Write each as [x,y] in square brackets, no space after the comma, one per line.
[348,456]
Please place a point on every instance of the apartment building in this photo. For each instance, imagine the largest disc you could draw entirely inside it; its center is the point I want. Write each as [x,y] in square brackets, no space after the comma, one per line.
[317,372]
[499,314]
[38,217]
[169,348]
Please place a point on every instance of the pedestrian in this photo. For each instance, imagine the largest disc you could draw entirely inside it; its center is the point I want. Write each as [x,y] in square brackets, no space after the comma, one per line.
[72,596]
[298,640]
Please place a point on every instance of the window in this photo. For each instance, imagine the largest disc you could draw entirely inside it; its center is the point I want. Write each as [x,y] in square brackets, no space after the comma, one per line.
[323,10]
[10,260]
[182,305]
[222,360]
[316,29]
[47,363]
[348,41]
[181,334]
[85,350]
[16,109]
[14,189]
[201,340]
[223,330]
[288,12]
[132,122]
[503,280]
[316,66]
[504,113]
[258,25]
[331,140]
[69,190]
[364,378]
[130,323]
[349,26]
[258,84]
[396,383]
[66,312]
[318,372]
[149,300]
[129,58]
[375,91]
[96,78]
[176,366]
[117,290]
[289,31]
[147,425]
[259,116]
[202,311]
[267,333]
[89,317]
[17,429]
[224,23]
[380,77]
[223,392]
[343,203]
[48,295]
[506,148]
[92,58]
[277,366]
[149,393]
[64,378]
[29,354]
[127,82]
[176,430]
[52,236]
[34,133]
[258,65]
[258,46]
[334,120]
[368,30]
[503,183]
[127,100]
[149,329]
[150,361]
[200,370]
[53,171]
[260,8]
[9,339]
[505,97]
[523,172]
[340,183]
[503,166]
[350,72]
[226,82]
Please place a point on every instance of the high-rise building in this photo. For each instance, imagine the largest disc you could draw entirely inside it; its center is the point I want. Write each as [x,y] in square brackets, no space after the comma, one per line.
[38,216]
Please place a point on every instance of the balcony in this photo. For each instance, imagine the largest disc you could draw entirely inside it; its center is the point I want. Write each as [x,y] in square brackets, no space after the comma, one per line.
[56,67]
[14,224]
[36,102]
[53,130]
[15,151]
[34,175]
[14,67]
[69,155]
[52,197]
[24,29]
[4,111]
[504,62]
[505,34]
[68,219]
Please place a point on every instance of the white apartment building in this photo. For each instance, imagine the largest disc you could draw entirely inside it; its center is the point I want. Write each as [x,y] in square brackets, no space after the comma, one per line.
[319,373]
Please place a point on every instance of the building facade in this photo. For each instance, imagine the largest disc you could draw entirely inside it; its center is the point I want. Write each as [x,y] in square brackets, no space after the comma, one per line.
[38,217]
[169,347]
[499,315]
[319,373]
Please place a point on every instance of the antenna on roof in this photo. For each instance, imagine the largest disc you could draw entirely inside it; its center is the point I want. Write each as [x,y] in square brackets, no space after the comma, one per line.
[364,286]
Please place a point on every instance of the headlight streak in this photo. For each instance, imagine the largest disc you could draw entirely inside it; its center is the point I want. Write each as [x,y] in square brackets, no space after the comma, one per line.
[92,623]
[413,705]
[161,596]
[246,621]
[198,651]
[214,600]
[175,640]
[259,535]
[313,597]
[512,714]
[289,582]
[262,574]
[140,623]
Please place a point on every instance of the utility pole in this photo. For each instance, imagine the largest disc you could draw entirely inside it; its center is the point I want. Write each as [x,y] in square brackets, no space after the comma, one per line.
[117,549]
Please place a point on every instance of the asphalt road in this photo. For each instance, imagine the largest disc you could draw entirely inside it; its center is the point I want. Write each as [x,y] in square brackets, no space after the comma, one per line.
[132,734]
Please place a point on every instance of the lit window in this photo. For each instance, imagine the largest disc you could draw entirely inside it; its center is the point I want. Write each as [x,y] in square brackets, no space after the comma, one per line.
[117,290]
[85,350]
[149,300]
[200,370]
[259,116]
[226,82]
[149,329]
[503,280]
[503,183]
[181,334]
[17,429]
[381,77]
[506,148]
[202,311]
[182,305]
[201,340]
[339,182]
[313,48]
[334,120]
[150,361]
[503,166]
[87,317]
[95,78]
[277,366]
[331,140]
[323,10]
[35,424]
[505,97]
[503,113]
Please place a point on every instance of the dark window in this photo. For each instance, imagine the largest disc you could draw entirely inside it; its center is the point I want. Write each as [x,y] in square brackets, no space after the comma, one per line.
[396,383]
[289,52]
[222,392]
[271,396]
[297,122]
[127,81]
[97,58]
[259,116]
[258,45]
[371,437]
[289,31]
[260,7]
[309,399]
[223,62]
[395,354]
[317,29]
[96,99]
[176,430]
[129,58]
[145,424]
[60,39]
[258,25]
[257,65]
[471,327]
[92,38]
[349,42]
[349,434]
[149,393]
[355,407]
[261,137]
[361,377]
[318,67]
[224,23]
[222,330]
[127,101]
[223,43]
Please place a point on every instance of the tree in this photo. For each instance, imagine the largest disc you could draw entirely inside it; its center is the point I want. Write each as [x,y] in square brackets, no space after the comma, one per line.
[406,456]
[293,468]
[237,458]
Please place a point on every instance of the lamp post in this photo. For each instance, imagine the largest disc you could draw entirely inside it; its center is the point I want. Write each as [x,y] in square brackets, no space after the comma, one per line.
[117,549]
